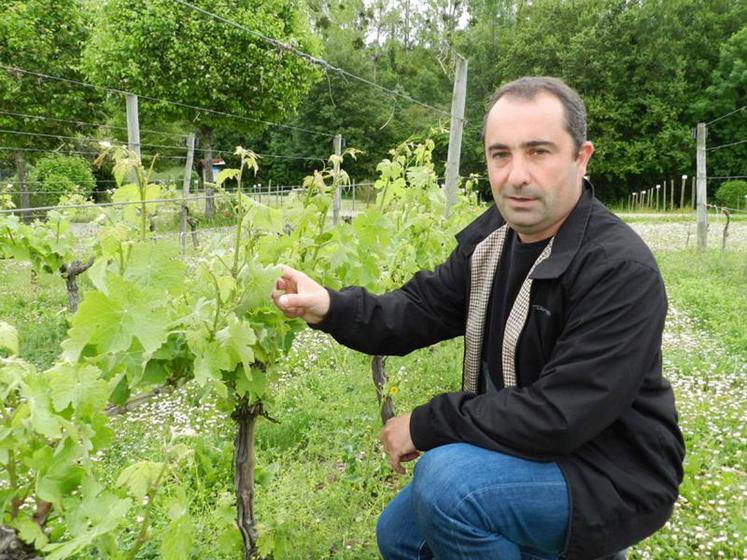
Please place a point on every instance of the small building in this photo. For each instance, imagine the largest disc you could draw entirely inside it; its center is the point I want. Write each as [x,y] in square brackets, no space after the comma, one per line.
[218,163]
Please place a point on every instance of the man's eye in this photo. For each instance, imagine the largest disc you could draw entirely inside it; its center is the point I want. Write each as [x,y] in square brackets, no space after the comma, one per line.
[539,151]
[500,155]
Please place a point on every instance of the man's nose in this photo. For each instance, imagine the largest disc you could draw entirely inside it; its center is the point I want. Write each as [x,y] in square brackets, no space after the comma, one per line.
[518,174]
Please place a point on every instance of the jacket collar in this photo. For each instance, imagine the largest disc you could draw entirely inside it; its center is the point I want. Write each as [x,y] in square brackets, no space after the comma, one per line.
[569,237]
[567,240]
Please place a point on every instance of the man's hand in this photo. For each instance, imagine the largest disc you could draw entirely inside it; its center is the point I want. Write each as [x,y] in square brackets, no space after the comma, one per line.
[297,295]
[397,442]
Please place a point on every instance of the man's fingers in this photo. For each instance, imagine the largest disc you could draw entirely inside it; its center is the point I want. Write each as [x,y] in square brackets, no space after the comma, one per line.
[409,456]
[290,274]
[396,467]
[287,302]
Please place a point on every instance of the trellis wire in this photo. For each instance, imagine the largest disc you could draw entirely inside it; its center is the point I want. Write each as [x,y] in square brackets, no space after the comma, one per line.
[282,47]
[713,148]
[157,100]
[89,124]
[110,204]
[742,108]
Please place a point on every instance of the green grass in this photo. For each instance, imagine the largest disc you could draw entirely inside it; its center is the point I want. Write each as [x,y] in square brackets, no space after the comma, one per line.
[712,286]
[37,306]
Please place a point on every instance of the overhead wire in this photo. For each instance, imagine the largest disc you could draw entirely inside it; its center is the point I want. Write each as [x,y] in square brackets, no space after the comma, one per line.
[158,100]
[146,145]
[726,145]
[89,124]
[730,113]
[111,204]
[77,152]
[283,47]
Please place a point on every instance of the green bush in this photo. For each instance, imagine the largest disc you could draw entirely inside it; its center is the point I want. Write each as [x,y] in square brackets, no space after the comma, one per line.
[732,194]
[59,175]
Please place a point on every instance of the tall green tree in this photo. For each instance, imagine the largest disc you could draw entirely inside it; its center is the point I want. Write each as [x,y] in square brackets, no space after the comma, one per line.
[641,67]
[381,42]
[168,51]
[727,94]
[42,36]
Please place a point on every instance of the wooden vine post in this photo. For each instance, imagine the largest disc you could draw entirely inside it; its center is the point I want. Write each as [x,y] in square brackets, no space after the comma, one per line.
[186,182]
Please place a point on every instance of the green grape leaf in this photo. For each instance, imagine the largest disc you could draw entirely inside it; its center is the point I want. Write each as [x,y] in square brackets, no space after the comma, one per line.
[120,389]
[209,361]
[30,532]
[226,286]
[79,386]
[102,433]
[111,322]
[126,193]
[237,339]
[61,474]
[252,383]
[6,495]
[36,393]
[258,282]
[97,274]
[111,239]
[263,218]
[106,513]
[155,267]
[156,372]
[140,477]
[226,174]
[178,538]
[8,338]
[421,176]
[270,249]
[152,192]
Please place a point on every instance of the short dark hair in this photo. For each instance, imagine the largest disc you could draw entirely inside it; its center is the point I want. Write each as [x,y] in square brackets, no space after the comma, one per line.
[530,87]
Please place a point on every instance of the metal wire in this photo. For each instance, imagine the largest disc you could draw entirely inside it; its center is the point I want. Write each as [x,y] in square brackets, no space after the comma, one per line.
[179,200]
[144,145]
[155,99]
[282,47]
[726,145]
[80,152]
[84,123]
[742,108]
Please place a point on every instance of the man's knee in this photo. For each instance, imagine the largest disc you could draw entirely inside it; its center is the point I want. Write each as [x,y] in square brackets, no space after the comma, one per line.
[394,527]
[385,535]
[437,481]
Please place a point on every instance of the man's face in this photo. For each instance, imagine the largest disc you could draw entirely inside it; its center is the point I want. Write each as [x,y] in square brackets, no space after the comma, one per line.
[534,169]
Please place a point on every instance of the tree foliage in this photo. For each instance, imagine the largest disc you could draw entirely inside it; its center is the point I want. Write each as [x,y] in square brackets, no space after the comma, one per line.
[732,194]
[56,175]
[42,36]
[641,68]
[165,50]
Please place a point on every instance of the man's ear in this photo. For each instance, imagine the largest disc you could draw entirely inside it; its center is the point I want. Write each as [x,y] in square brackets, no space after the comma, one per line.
[584,155]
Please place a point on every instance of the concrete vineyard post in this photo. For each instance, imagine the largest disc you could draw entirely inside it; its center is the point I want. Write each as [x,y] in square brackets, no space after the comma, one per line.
[701,186]
[455,131]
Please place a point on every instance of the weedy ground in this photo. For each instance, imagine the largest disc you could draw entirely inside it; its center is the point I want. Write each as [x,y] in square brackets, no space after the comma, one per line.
[322,478]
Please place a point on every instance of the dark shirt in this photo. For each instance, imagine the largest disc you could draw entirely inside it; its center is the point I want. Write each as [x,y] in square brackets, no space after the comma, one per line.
[516,261]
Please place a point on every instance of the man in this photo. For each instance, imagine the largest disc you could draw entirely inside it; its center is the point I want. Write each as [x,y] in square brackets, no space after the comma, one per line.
[564,440]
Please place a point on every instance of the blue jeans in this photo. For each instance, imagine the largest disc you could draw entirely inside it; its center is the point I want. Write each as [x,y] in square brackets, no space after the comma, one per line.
[466,502]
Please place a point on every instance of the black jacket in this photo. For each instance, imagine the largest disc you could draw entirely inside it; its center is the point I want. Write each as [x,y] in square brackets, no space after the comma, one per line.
[589,393]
